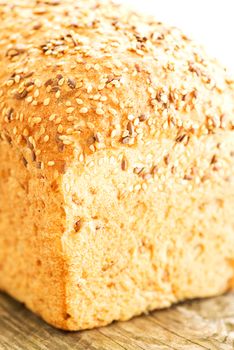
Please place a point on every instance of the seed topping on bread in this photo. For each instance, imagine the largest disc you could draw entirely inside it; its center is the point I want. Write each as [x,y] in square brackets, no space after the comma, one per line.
[103,80]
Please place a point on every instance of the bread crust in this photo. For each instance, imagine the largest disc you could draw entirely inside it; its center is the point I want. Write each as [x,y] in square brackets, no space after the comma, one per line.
[120,101]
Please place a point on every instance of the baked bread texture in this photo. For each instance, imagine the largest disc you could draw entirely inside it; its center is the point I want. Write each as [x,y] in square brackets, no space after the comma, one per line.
[116,163]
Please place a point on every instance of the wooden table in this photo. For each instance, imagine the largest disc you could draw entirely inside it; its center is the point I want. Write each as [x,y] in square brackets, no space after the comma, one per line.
[197,325]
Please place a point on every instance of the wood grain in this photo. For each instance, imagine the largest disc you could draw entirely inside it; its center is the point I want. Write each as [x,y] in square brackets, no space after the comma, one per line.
[206,324]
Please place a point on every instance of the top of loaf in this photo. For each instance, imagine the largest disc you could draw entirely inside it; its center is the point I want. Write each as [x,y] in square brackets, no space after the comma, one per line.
[77,77]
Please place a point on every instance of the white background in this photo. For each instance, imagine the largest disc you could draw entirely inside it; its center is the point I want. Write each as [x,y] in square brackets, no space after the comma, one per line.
[210,23]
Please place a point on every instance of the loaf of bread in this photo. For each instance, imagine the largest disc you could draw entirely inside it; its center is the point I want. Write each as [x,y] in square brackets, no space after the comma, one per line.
[116,163]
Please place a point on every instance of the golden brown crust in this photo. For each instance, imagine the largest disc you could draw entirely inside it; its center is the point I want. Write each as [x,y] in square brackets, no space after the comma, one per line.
[110,115]
[111,78]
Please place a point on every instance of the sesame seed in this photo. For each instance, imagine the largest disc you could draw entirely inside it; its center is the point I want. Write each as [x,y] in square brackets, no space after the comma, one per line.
[137,187]
[46,101]
[92,148]
[37,120]
[101,87]
[165,125]
[88,66]
[96,97]
[46,138]
[103,98]
[36,93]
[84,110]
[37,83]
[91,164]
[99,145]
[151,90]
[126,140]
[69,131]
[60,128]
[58,93]
[99,111]
[164,98]
[9,115]
[89,88]
[79,101]
[125,133]
[58,120]
[139,130]
[51,163]
[17,78]
[19,139]
[136,122]
[96,66]
[31,141]
[150,121]
[70,110]
[67,142]
[52,117]
[29,99]
[30,88]
[90,125]
[61,82]
[70,118]
[113,133]
[10,82]
[81,157]
[25,132]
[98,137]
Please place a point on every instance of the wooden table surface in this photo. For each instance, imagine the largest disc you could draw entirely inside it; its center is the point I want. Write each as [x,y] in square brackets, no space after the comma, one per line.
[197,325]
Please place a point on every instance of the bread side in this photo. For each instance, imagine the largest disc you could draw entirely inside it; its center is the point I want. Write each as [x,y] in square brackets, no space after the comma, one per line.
[117,132]
[134,246]
[32,220]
